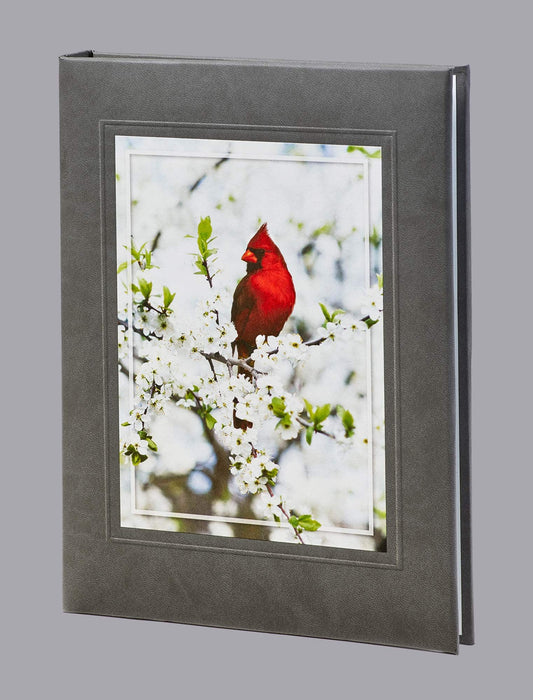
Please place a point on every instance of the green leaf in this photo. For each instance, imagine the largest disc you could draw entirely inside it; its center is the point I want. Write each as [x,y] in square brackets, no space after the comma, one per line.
[380,513]
[370,322]
[152,445]
[125,423]
[309,434]
[347,420]
[137,458]
[308,523]
[276,518]
[336,313]
[134,202]
[278,407]
[285,421]
[121,267]
[272,473]
[375,238]
[361,149]
[309,409]
[210,421]
[117,176]
[145,287]
[231,198]
[380,280]
[326,313]
[304,522]
[202,247]
[322,231]
[204,228]
[321,413]
[168,297]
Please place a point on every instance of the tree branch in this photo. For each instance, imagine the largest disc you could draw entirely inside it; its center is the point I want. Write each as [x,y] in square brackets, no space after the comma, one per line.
[232,362]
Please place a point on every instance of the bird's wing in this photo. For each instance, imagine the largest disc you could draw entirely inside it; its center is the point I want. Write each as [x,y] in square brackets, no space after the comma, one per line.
[244,302]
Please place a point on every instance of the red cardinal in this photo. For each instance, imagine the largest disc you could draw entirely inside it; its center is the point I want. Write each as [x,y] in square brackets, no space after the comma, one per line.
[264,299]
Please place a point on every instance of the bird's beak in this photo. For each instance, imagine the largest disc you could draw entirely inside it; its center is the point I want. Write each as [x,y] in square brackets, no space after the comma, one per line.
[249,257]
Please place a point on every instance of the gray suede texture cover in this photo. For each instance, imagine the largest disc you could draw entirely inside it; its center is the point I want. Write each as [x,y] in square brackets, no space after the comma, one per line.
[407,596]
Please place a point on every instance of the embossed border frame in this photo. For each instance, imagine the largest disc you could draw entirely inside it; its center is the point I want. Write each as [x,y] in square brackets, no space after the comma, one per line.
[108,131]
[406,597]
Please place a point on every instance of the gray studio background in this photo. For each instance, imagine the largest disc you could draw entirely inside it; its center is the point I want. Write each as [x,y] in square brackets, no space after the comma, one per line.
[48,653]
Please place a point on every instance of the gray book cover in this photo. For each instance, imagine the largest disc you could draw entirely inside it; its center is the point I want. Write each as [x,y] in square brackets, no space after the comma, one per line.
[266,346]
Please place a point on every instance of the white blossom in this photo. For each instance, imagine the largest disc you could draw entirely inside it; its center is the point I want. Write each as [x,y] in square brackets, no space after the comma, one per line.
[288,431]
[350,323]
[291,346]
[330,332]
[270,503]
[264,360]
[236,440]
[261,464]
[248,480]
[146,321]
[373,303]
[246,407]
[164,325]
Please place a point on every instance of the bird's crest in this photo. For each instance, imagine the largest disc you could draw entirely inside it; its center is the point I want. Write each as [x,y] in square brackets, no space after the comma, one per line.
[262,240]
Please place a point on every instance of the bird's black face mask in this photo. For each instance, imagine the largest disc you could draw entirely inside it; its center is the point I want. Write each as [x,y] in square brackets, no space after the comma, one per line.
[253,258]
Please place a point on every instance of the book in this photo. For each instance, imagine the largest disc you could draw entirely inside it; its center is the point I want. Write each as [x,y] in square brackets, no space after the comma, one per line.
[266,346]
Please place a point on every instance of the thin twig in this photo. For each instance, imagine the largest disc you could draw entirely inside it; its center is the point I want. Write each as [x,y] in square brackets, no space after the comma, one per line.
[209,278]
[139,331]
[123,368]
[306,424]
[147,305]
[282,509]
[199,181]
[318,341]
[210,360]
[155,242]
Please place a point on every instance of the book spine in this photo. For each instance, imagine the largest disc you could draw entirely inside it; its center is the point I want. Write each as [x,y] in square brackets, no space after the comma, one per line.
[464,345]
